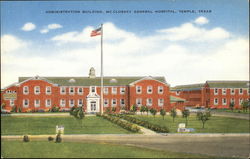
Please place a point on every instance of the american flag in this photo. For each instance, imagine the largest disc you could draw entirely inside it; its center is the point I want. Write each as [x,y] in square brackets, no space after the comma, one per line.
[96,32]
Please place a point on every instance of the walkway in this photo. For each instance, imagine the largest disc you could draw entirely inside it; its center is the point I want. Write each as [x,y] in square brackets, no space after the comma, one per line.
[231,115]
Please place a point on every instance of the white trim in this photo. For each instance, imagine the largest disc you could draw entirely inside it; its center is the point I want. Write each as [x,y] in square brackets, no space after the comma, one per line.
[122,90]
[224,91]
[25,105]
[138,102]
[232,100]
[48,104]
[160,88]
[106,102]
[35,90]
[138,88]
[114,90]
[24,91]
[149,103]
[71,88]
[224,103]
[71,104]
[78,103]
[114,100]
[216,90]
[37,78]
[37,104]
[149,78]
[48,93]
[12,102]
[160,102]
[216,102]
[78,90]
[63,88]
[240,90]
[232,89]
[105,90]
[62,102]
[149,88]
[240,101]
[122,104]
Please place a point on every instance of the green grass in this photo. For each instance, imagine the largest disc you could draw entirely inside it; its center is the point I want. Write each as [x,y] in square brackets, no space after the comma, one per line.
[214,125]
[45,149]
[47,125]
[230,111]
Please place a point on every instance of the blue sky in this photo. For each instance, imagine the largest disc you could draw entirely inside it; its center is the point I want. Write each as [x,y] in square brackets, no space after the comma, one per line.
[203,41]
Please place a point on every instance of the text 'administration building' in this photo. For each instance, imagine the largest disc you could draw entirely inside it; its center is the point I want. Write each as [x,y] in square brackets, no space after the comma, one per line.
[42,93]
[214,94]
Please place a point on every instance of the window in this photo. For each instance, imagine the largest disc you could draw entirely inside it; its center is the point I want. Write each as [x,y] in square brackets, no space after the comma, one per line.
[48,102]
[232,91]
[122,101]
[113,102]
[224,101]
[25,103]
[12,102]
[106,102]
[106,90]
[240,101]
[149,89]
[216,91]
[62,103]
[122,90]
[25,90]
[224,91]
[240,91]
[80,90]
[138,90]
[80,102]
[37,103]
[48,90]
[93,89]
[138,101]
[160,89]
[232,100]
[71,102]
[114,90]
[215,101]
[149,102]
[177,93]
[37,90]
[62,90]
[160,102]
[71,90]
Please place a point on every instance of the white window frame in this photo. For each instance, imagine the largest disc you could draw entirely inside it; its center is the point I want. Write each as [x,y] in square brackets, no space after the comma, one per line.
[216,101]
[78,90]
[232,89]
[91,88]
[216,90]
[160,102]
[106,90]
[138,89]
[62,89]
[240,101]
[177,93]
[48,104]
[113,105]
[240,90]
[138,102]
[12,102]
[148,103]
[78,102]
[149,88]
[37,88]
[224,103]
[160,89]
[122,90]
[106,102]
[71,104]
[232,100]
[37,104]
[25,105]
[114,90]
[47,90]
[62,102]
[26,90]
[224,91]
[122,102]
[71,88]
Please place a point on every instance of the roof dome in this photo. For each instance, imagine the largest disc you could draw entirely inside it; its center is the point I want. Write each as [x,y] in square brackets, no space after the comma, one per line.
[113,80]
[72,80]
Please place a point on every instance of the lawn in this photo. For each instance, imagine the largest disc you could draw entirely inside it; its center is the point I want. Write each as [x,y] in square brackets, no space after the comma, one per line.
[230,111]
[47,125]
[214,125]
[45,149]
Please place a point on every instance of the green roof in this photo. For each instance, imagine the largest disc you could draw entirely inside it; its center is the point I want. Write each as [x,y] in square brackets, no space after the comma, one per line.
[86,81]
[174,99]
[188,87]
[228,84]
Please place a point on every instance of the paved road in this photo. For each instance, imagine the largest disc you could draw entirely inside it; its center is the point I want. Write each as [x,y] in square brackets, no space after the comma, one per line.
[231,115]
[219,145]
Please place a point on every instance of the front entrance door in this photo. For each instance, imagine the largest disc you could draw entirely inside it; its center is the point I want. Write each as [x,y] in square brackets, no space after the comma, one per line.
[93,106]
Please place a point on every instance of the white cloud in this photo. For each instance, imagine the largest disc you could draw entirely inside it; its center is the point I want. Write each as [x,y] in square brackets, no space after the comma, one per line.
[11,43]
[54,26]
[44,31]
[201,20]
[28,26]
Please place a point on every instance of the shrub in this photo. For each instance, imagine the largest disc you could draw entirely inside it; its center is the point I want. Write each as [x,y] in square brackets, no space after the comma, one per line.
[26,138]
[50,138]
[55,109]
[58,138]
[14,109]
[19,110]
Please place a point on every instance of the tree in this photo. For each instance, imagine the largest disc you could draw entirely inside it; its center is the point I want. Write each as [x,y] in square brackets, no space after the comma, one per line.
[78,113]
[245,105]
[146,110]
[163,113]
[3,106]
[231,106]
[185,114]
[142,109]
[153,111]
[203,117]
[107,111]
[134,108]
[173,113]
[114,109]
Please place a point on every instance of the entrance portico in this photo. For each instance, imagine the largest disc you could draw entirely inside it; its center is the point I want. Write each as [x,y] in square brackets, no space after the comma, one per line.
[93,101]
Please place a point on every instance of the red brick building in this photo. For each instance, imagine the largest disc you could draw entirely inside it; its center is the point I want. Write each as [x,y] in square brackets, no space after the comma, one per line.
[43,93]
[214,94]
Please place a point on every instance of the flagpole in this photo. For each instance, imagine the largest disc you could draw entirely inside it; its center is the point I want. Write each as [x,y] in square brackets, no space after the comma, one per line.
[101,69]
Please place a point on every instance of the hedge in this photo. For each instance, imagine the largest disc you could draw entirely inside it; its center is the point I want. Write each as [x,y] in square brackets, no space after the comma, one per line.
[123,123]
[145,124]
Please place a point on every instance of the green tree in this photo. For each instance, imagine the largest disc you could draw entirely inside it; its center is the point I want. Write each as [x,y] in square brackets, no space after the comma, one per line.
[185,114]
[113,109]
[134,108]
[173,113]
[204,117]
[78,113]
[153,111]
[163,113]
[146,110]
[107,111]
[231,106]
[245,105]
[142,109]
[3,105]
